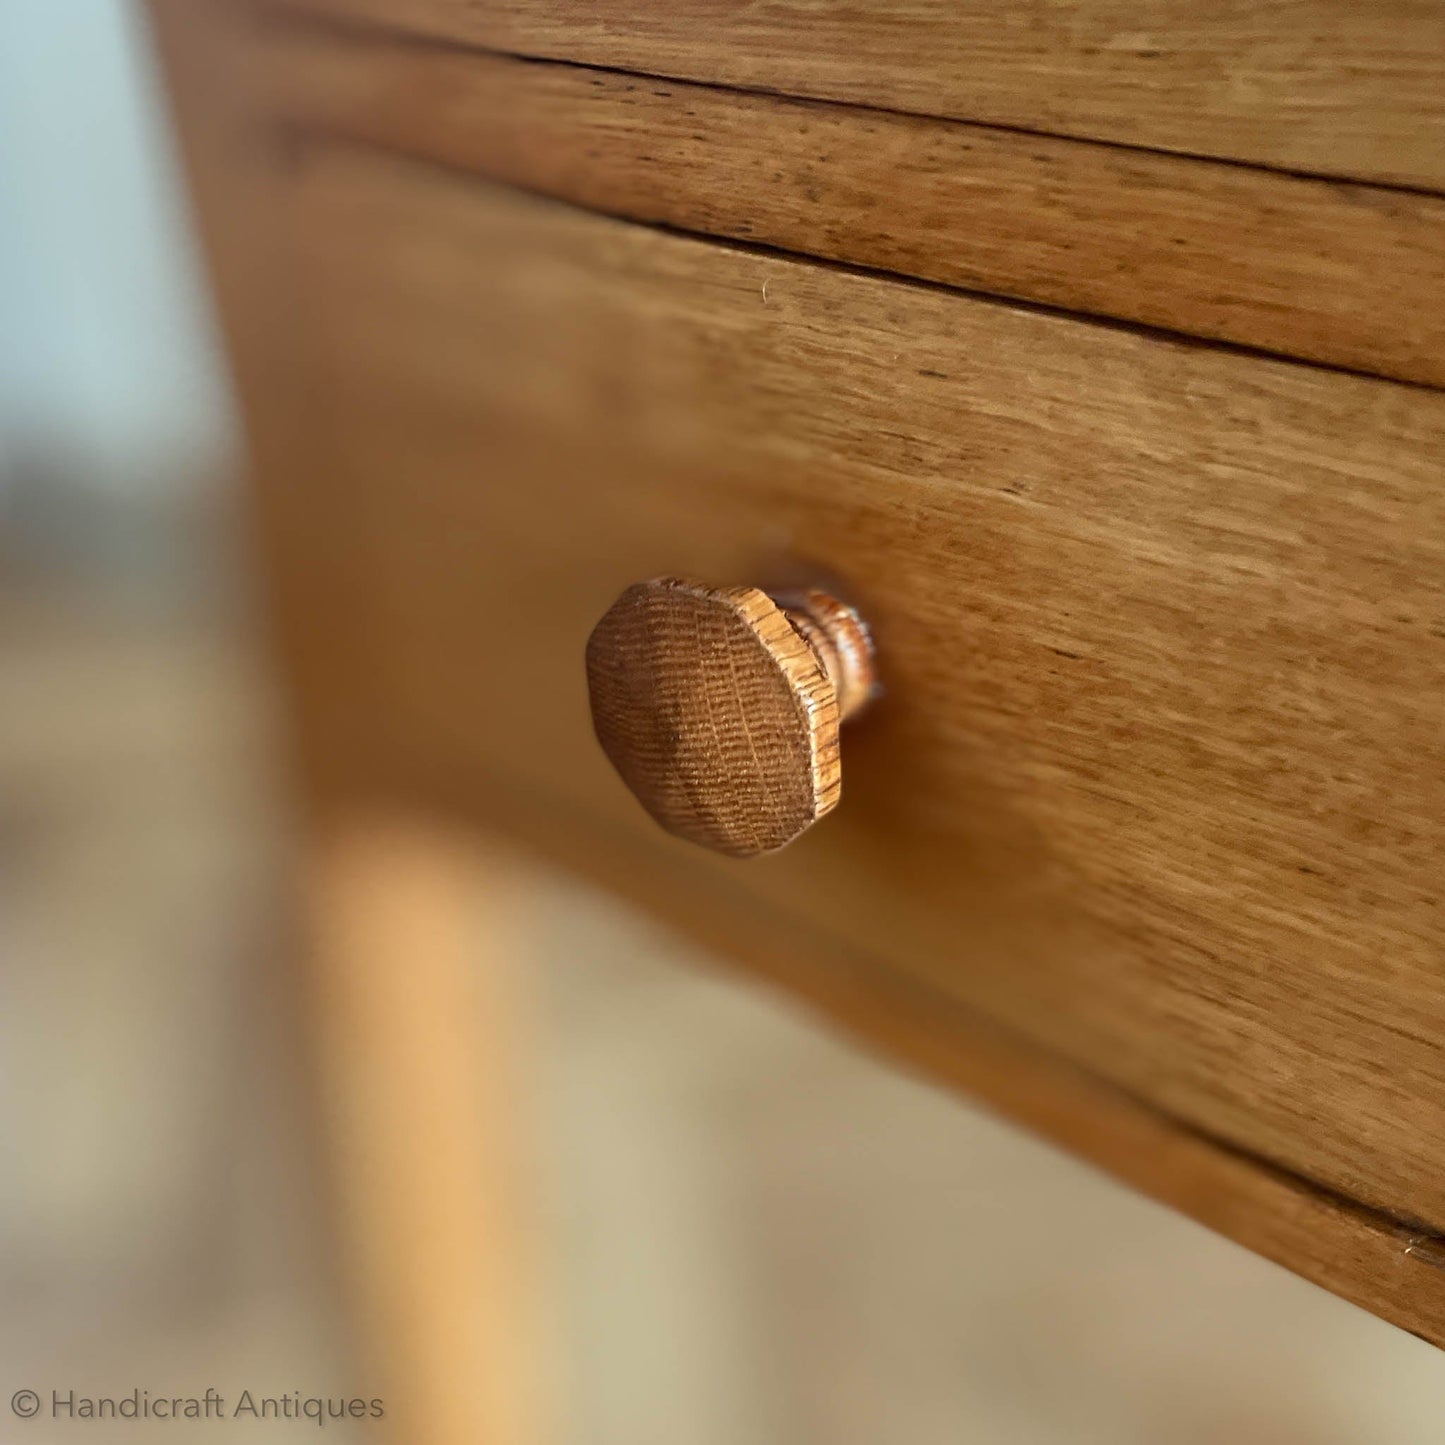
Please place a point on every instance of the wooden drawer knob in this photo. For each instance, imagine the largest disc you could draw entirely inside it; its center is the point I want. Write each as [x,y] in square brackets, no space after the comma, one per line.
[720,706]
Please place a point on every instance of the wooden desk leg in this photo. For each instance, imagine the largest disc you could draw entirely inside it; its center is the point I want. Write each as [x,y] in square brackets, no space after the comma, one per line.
[421,1034]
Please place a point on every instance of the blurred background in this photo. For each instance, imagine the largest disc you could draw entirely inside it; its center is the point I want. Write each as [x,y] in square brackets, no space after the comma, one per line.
[757,1233]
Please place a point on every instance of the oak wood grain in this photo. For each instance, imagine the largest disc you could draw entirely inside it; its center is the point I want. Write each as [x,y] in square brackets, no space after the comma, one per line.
[717,713]
[1331,87]
[336,610]
[1158,779]
[1345,274]
[1383,1265]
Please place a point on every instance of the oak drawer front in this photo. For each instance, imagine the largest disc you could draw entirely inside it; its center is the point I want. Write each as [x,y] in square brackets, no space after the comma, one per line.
[1347,274]
[1325,86]
[1156,780]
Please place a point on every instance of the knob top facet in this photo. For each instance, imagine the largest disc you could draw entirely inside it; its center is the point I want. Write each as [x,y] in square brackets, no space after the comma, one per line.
[720,707]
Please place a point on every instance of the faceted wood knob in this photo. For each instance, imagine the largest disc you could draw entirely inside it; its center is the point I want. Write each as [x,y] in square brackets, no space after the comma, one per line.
[720,706]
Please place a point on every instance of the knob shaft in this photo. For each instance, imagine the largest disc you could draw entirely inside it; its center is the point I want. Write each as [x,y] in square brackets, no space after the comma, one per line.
[720,706]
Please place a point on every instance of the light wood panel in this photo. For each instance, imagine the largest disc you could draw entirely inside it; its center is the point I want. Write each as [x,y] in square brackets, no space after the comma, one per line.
[421,1026]
[1332,87]
[1158,779]
[1349,275]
